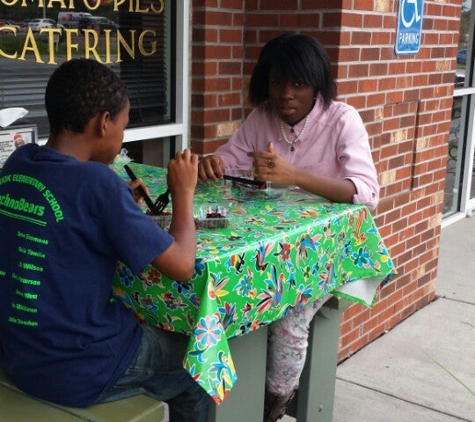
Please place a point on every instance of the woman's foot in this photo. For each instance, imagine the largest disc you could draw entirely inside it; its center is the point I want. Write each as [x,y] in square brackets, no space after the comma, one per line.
[275,405]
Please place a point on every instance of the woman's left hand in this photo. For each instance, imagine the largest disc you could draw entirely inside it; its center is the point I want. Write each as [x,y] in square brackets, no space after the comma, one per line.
[271,167]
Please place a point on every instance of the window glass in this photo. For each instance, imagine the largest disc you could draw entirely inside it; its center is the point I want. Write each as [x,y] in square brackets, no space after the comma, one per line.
[455,153]
[132,37]
[458,142]
[463,50]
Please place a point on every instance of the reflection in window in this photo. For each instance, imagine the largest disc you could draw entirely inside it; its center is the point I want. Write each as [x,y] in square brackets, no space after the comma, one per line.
[459,143]
[140,51]
[454,159]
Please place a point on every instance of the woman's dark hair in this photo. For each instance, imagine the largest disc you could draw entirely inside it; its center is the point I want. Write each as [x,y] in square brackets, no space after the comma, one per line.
[293,56]
[78,90]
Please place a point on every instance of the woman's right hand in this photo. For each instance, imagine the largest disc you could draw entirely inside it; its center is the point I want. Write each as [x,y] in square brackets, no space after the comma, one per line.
[210,167]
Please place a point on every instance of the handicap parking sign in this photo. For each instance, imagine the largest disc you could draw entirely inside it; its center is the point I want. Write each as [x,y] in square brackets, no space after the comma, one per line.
[409,27]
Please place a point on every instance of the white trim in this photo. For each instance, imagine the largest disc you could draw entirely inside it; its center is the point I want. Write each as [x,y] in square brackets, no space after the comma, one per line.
[182,66]
[147,132]
[152,132]
[459,92]
[447,221]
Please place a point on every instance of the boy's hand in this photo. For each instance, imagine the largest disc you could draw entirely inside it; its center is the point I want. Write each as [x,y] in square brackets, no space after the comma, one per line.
[178,261]
[183,172]
[135,184]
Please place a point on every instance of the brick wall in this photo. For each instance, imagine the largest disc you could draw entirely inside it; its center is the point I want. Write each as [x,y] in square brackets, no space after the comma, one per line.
[404,101]
[216,72]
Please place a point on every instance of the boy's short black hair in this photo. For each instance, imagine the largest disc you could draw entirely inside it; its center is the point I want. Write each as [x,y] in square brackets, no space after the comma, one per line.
[293,56]
[78,90]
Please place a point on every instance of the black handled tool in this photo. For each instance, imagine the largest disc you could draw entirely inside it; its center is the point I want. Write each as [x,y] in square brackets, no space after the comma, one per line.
[244,181]
[147,198]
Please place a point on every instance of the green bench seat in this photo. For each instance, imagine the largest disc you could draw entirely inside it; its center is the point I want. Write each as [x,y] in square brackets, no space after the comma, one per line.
[16,406]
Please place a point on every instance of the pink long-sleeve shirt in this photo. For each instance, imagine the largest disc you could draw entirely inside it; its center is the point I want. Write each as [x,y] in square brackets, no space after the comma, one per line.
[334,143]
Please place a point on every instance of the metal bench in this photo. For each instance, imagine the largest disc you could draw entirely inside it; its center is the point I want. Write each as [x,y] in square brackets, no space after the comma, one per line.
[16,406]
[314,399]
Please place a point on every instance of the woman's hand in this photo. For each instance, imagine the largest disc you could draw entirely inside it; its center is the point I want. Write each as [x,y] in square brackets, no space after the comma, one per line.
[210,167]
[271,167]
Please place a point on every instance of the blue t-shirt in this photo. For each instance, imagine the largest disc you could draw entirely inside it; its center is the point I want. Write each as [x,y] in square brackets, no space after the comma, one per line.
[64,224]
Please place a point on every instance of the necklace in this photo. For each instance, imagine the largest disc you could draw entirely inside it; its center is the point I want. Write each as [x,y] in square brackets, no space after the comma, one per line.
[298,138]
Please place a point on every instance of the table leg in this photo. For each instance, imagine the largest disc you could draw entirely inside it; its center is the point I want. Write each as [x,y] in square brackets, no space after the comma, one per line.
[314,401]
[246,399]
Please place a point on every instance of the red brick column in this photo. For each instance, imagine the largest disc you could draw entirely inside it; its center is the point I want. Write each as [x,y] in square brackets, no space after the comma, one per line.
[405,102]
[216,72]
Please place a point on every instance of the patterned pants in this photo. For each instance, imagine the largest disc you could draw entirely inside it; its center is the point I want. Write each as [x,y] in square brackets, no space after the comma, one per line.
[287,348]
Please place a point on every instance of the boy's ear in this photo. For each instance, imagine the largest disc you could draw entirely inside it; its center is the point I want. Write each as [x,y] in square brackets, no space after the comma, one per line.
[103,123]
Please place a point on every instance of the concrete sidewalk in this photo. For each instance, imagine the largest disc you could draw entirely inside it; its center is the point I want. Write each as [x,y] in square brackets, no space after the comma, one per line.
[423,370]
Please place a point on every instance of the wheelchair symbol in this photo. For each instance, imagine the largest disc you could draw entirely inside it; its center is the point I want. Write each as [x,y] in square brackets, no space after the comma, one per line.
[412,12]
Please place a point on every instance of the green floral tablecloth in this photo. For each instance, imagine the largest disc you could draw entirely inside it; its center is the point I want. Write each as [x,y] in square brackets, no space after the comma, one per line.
[282,249]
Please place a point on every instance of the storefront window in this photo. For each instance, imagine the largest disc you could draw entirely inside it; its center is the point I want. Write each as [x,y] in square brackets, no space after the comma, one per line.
[459,181]
[133,38]
[454,159]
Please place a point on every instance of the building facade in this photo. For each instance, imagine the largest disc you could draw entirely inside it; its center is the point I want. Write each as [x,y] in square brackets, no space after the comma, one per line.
[405,102]
[188,74]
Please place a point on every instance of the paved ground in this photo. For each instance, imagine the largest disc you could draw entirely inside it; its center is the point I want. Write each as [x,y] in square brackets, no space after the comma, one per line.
[423,370]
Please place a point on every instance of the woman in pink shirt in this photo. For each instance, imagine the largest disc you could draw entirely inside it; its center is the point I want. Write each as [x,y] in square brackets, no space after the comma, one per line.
[297,135]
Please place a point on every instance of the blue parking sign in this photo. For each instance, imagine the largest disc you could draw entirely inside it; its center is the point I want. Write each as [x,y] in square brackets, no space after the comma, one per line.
[409,27]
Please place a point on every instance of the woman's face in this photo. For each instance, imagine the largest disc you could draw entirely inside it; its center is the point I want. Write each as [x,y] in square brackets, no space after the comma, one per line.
[292,100]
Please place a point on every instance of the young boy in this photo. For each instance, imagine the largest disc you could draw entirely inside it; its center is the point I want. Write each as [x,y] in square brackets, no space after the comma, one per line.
[65,221]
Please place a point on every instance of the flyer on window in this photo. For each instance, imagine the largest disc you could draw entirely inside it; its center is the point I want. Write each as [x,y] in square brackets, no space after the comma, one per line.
[13,138]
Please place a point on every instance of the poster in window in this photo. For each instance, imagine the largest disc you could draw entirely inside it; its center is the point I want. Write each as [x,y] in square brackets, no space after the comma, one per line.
[14,137]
